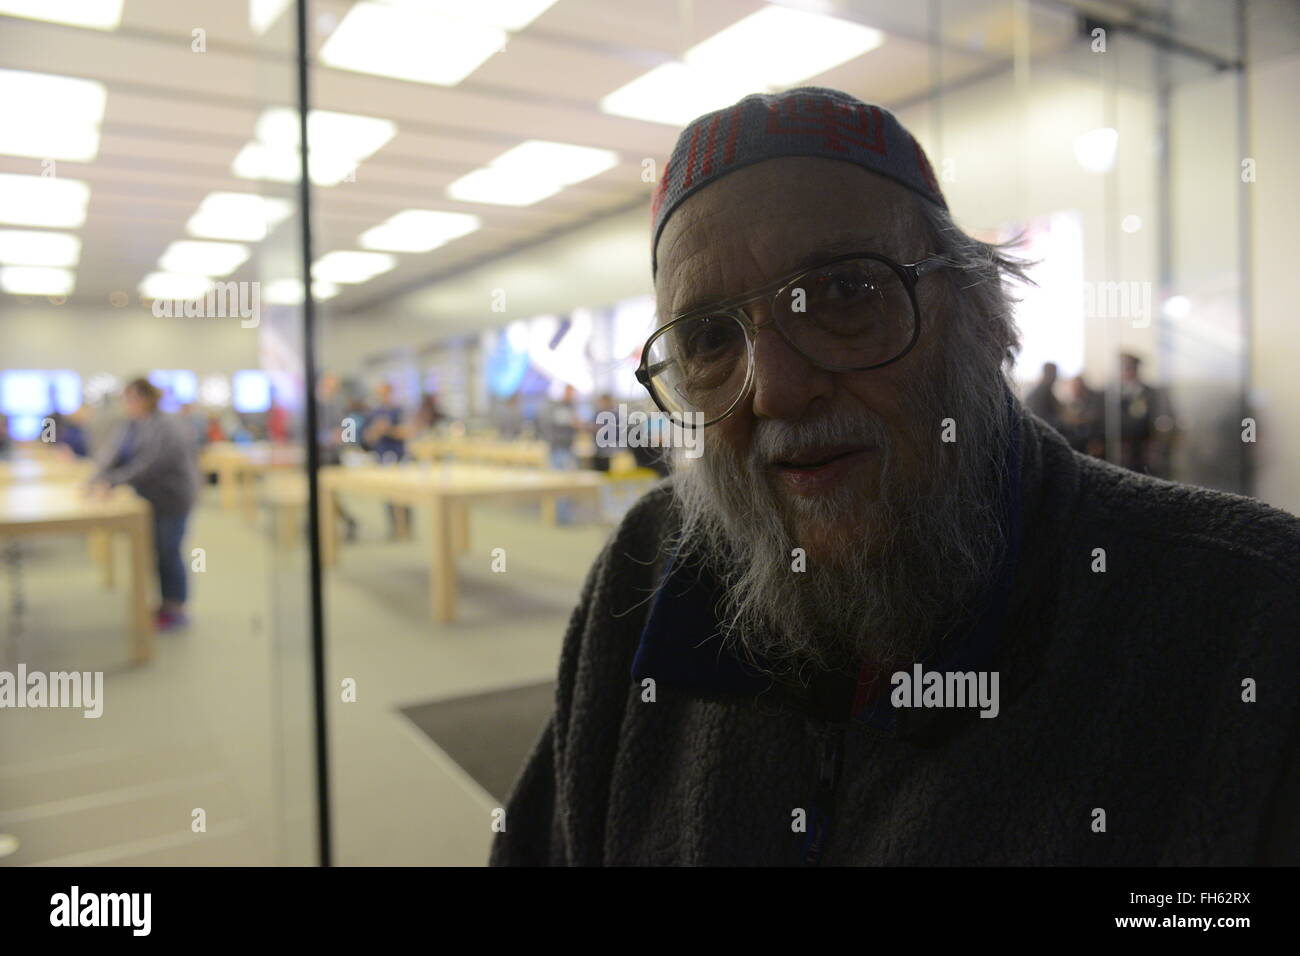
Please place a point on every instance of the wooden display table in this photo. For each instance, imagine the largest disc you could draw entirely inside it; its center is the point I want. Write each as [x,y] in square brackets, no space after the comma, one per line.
[446,491]
[238,466]
[29,508]
[487,451]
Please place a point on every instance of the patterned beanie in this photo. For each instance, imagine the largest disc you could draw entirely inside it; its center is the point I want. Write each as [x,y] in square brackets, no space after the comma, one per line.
[809,121]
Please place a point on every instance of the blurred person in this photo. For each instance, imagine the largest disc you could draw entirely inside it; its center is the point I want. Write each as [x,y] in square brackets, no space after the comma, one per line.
[213,429]
[1042,400]
[560,426]
[385,436]
[1083,418]
[510,423]
[196,421]
[155,456]
[604,452]
[1137,414]
[889,616]
[70,432]
[330,436]
[6,446]
[429,415]
[278,422]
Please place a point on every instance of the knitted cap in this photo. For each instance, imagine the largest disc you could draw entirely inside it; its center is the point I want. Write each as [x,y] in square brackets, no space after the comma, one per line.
[809,121]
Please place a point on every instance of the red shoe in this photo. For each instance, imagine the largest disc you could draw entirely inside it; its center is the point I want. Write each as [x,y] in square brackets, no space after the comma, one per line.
[171,620]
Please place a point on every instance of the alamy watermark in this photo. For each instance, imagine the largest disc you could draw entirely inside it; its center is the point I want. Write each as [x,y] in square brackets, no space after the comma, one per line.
[638,429]
[223,300]
[921,688]
[75,689]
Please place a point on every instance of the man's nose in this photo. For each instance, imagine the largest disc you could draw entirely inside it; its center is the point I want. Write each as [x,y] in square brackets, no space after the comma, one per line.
[785,382]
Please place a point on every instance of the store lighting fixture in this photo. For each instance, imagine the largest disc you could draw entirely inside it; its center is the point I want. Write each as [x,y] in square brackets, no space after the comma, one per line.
[19,247]
[339,142]
[530,172]
[43,201]
[419,230]
[347,266]
[95,14]
[172,285]
[49,116]
[192,257]
[36,280]
[245,217]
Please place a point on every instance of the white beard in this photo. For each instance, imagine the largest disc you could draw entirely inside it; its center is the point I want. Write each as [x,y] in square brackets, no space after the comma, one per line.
[931,548]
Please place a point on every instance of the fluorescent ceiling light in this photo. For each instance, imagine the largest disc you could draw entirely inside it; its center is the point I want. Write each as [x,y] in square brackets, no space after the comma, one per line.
[510,14]
[1095,150]
[171,285]
[203,258]
[530,172]
[348,267]
[500,188]
[49,116]
[21,248]
[263,13]
[36,280]
[289,291]
[419,230]
[242,216]
[778,46]
[675,94]
[409,42]
[43,201]
[559,163]
[338,143]
[96,14]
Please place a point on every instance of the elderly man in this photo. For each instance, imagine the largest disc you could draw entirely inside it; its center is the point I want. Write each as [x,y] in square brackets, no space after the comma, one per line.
[889,617]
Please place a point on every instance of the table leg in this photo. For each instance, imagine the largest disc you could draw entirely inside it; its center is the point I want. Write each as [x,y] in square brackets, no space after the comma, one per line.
[247,478]
[460,528]
[548,510]
[100,543]
[442,563]
[142,561]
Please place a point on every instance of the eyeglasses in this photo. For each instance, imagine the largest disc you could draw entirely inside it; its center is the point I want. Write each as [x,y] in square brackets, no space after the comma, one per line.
[853,313]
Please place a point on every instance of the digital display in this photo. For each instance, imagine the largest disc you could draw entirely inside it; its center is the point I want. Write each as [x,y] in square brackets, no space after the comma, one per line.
[252,391]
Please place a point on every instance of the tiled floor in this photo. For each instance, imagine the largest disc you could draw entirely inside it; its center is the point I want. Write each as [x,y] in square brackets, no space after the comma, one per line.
[220,721]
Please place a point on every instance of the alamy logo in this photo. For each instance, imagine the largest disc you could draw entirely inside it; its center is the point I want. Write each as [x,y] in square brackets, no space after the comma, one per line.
[636,429]
[224,299]
[75,689]
[102,909]
[946,689]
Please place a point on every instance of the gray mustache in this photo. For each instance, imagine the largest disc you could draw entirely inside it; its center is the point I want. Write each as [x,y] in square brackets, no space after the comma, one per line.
[774,439]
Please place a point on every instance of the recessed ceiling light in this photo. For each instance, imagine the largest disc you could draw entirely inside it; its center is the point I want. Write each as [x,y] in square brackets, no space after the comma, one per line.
[96,14]
[263,13]
[171,285]
[203,258]
[510,14]
[675,94]
[289,291]
[501,188]
[50,116]
[408,42]
[778,46]
[338,141]
[348,267]
[561,163]
[43,201]
[246,217]
[22,248]
[419,230]
[36,280]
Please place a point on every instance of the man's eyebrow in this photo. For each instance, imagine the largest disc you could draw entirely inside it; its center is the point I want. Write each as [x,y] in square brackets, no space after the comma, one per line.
[821,253]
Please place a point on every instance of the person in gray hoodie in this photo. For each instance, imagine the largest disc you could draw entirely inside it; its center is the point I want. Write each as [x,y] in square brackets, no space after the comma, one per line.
[155,455]
[889,617]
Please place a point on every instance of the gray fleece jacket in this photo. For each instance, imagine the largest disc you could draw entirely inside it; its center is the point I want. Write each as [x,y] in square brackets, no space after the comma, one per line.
[1148,713]
[156,456]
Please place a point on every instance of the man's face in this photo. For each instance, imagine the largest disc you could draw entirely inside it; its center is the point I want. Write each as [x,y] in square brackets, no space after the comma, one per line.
[761,223]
